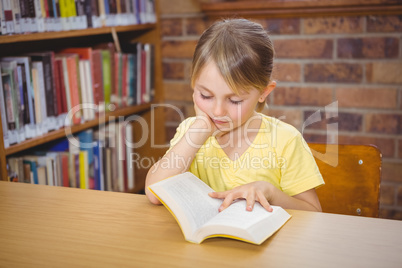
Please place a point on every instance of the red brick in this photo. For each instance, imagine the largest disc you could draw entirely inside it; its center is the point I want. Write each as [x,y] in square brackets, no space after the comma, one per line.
[384,72]
[367,97]
[400,148]
[304,48]
[332,25]
[383,24]
[292,117]
[391,213]
[391,172]
[385,145]
[286,72]
[171,27]
[178,91]
[384,123]
[280,26]
[196,26]
[178,49]
[302,96]
[387,194]
[333,72]
[368,48]
[173,70]
[346,121]
[399,196]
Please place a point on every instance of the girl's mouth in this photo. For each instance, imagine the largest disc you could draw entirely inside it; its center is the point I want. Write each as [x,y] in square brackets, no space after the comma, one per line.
[219,122]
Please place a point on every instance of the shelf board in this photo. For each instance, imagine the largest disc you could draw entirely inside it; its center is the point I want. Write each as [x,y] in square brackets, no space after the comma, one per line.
[6,39]
[300,8]
[60,133]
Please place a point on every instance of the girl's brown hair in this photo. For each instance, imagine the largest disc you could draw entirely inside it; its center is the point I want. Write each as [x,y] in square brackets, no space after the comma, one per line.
[242,51]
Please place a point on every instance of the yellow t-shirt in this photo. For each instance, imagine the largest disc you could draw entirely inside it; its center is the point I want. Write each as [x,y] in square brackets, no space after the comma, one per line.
[278,155]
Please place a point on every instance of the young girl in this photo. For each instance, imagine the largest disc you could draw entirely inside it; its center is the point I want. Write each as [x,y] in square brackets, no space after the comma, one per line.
[237,151]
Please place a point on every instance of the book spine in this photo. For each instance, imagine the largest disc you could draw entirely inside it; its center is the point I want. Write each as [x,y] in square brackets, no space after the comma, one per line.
[74,93]
[64,14]
[38,65]
[84,94]
[25,27]
[8,101]
[129,151]
[66,79]
[58,22]
[57,85]
[8,17]
[107,77]
[123,160]
[65,170]
[139,70]
[123,78]
[16,16]
[97,79]
[143,75]
[51,15]
[83,158]
[45,14]
[3,115]
[89,86]
[31,21]
[20,95]
[80,14]
[63,98]
[25,98]
[88,13]
[35,85]
[95,10]
[77,170]
[39,17]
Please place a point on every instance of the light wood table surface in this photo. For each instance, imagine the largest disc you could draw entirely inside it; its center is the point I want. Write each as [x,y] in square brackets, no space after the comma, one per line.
[44,226]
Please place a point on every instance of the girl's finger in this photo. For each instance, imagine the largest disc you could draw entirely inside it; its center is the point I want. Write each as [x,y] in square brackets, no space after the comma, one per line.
[226,202]
[250,201]
[263,201]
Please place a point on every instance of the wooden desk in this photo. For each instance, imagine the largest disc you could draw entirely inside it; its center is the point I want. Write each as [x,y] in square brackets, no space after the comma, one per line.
[43,226]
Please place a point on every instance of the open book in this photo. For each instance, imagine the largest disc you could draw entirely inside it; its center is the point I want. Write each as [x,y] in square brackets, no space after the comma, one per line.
[186,197]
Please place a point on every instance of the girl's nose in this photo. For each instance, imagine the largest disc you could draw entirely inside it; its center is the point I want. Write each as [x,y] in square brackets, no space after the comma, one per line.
[219,110]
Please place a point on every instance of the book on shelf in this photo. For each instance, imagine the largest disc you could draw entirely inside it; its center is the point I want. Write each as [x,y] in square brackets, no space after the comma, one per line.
[29,16]
[41,89]
[86,160]
[186,197]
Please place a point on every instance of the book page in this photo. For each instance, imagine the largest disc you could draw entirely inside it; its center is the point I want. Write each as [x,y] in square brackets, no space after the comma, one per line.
[236,215]
[188,195]
[251,226]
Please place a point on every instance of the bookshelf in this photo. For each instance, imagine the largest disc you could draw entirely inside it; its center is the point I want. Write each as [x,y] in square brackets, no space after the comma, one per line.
[19,44]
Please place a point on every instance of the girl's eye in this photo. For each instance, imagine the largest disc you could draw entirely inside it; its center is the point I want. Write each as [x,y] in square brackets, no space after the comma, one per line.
[237,102]
[205,97]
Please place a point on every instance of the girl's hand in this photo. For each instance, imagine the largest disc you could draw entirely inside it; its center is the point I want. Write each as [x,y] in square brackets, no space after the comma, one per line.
[203,121]
[255,191]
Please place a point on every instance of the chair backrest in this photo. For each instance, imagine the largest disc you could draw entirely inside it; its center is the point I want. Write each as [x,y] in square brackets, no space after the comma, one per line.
[352,175]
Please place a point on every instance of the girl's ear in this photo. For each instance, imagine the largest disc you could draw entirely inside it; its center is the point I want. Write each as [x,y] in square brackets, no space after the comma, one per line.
[271,86]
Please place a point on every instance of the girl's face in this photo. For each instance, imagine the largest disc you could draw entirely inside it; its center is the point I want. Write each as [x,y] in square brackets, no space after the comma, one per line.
[214,97]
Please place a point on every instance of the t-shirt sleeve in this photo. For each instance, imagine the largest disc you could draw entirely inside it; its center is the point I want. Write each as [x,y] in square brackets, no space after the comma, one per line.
[180,131]
[299,171]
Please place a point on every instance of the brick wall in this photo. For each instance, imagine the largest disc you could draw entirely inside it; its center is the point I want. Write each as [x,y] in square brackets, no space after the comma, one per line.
[356,61]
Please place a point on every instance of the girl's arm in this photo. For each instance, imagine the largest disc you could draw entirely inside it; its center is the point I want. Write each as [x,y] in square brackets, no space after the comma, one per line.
[267,194]
[181,155]
[179,158]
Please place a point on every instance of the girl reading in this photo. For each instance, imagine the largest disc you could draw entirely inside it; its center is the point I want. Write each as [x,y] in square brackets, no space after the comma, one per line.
[231,146]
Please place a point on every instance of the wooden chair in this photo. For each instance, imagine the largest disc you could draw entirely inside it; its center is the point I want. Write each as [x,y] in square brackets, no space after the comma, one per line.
[352,175]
